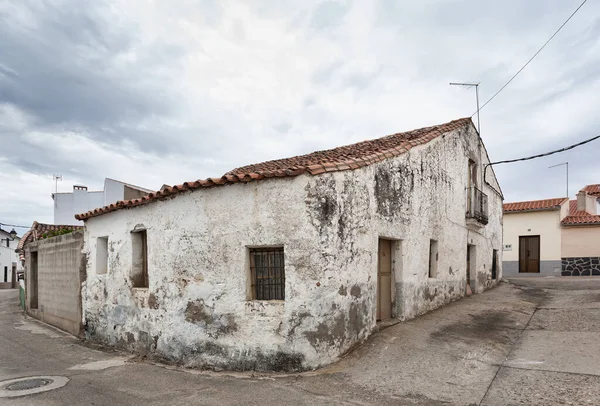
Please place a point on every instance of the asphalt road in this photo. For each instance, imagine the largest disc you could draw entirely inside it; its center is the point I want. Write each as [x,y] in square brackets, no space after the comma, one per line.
[531,342]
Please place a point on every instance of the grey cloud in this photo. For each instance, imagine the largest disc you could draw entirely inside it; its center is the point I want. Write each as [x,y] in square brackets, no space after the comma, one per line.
[325,73]
[328,13]
[66,75]
[91,70]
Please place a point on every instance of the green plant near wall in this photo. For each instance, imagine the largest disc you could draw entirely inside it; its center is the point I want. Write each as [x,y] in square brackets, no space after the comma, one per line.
[54,233]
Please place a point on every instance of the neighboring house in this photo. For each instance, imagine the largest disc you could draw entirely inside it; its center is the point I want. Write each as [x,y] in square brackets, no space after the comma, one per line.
[55,269]
[66,205]
[9,263]
[594,190]
[580,246]
[287,264]
[552,236]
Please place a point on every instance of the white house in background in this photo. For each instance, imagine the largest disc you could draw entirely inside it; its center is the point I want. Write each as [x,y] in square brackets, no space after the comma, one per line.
[66,205]
[9,263]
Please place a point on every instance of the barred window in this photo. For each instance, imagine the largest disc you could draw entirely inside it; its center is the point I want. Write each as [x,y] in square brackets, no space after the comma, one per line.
[267,271]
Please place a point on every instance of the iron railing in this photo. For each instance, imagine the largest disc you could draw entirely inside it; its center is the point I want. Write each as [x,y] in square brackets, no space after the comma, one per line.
[477,205]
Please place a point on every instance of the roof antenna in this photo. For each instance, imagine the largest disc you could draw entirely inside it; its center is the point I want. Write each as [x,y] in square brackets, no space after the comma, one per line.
[56,178]
[469,85]
[567,164]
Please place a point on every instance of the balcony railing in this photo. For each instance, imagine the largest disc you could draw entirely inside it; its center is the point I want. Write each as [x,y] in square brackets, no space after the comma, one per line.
[477,205]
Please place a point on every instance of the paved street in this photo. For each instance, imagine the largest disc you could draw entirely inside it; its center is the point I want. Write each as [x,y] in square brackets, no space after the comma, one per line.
[534,342]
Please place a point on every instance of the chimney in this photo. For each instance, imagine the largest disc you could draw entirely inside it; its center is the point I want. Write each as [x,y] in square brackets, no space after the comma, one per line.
[581,200]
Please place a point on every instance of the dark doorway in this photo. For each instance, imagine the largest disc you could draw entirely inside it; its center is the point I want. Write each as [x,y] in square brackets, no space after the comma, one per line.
[471,268]
[529,254]
[468,266]
[33,264]
[494,264]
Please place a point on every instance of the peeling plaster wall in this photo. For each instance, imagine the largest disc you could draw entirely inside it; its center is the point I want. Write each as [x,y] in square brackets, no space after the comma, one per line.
[195,311]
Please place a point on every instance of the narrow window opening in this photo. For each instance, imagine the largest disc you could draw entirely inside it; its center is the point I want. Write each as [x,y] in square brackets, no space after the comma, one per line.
[33,298]
[5,274]
[433,258]
[101,255]
[494,264]
[267,273]
[139,263]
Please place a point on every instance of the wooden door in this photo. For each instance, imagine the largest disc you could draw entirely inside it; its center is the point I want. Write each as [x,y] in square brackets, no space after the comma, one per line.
[384,280]
[529,254]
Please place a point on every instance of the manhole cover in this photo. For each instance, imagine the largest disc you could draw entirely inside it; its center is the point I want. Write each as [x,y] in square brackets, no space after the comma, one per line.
[26,384]
[31,385]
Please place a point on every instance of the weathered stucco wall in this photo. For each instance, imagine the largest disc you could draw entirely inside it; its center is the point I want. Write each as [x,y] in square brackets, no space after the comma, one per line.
[61,268]
[196,311]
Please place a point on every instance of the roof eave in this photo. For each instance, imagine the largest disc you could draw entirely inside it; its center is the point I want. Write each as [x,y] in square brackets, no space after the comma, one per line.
[555,208]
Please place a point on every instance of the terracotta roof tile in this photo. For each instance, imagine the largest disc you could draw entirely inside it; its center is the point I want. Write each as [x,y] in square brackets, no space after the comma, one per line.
[37,232]
[576,217]
[343,158]
[581,219]
[593,190]
[534,205]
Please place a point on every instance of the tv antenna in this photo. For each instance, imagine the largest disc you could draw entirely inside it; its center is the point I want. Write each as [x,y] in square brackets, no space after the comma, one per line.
[567,165]
[476,86]
[56,178]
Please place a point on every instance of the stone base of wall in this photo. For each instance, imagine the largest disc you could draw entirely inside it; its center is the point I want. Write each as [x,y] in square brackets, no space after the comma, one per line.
[547,268]
[581,266]
[6,285]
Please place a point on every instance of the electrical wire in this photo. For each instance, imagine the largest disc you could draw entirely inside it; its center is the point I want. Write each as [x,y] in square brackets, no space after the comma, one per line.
[545,153]
[13,225]
[528,158]
[530,59]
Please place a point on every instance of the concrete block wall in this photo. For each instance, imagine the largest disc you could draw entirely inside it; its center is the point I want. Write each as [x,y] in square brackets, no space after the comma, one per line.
[61,270]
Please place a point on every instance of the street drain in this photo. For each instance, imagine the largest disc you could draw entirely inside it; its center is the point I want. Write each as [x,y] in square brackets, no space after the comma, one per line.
[31,385]
[28,384]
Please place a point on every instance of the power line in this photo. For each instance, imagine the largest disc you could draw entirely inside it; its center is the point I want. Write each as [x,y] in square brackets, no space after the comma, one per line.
[530,59]
[13,225]
[546,153]
[528,158]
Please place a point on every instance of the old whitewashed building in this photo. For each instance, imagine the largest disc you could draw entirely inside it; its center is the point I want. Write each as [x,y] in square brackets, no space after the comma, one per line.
[287,264]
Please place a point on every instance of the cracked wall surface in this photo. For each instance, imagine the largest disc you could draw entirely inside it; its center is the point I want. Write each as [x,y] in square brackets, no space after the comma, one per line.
[196,310]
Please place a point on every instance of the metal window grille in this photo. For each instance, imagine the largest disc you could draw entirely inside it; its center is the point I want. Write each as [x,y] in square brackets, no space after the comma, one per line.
[268,273]
[477,205]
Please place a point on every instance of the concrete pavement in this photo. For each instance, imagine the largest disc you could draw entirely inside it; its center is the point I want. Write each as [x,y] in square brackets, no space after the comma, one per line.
[534,342]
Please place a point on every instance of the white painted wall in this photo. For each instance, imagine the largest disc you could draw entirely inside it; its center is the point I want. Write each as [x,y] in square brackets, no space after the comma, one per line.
[546,224]
[67,205]
[329,226]
[8,256]
[113,192]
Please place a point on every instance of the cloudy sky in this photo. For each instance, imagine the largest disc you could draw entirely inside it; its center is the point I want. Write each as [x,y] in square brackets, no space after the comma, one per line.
[154,92]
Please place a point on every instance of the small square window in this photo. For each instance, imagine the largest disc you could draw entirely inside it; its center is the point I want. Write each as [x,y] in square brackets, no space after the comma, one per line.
[101,255]
[267,273]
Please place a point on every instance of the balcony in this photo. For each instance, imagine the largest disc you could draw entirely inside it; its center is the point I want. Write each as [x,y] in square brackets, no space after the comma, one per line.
[477,206]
